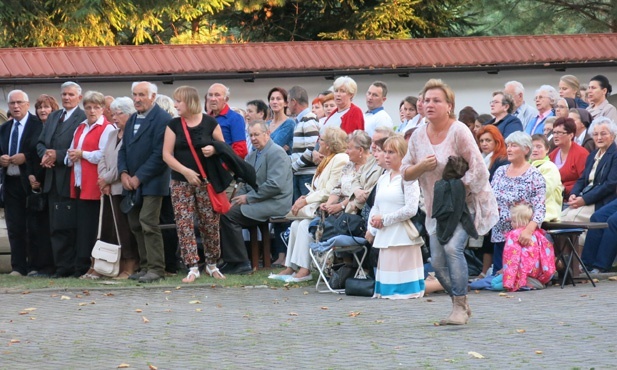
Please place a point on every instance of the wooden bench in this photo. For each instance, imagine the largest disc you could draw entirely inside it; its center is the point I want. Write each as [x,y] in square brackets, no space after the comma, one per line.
[570,230]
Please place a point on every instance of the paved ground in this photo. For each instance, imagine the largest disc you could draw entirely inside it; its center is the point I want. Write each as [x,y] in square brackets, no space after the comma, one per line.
[241,328]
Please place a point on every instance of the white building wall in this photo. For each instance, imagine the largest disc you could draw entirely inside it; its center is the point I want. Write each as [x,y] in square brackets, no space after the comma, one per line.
[471,88]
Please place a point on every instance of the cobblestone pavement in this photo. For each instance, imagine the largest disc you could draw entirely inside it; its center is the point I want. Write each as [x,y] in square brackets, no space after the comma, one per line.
[242,328]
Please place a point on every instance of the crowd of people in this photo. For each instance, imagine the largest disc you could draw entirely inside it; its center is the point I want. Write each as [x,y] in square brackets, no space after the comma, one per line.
[122,166]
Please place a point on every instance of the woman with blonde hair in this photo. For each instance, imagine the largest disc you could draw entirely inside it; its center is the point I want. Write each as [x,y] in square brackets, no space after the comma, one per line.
[570,87]
[189,193]
[400,269]
[430,146]
[347,115]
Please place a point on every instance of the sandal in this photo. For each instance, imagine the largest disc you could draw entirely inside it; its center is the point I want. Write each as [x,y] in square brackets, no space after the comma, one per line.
[192,276]
[215,270]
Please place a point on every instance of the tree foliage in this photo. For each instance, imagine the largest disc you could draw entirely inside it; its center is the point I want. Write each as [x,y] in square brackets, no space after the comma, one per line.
[516,17]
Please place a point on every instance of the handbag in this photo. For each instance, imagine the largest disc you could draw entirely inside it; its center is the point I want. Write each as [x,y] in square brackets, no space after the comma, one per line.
[308,211]
[360,287]
[131,200]
[64,215]
[220,203]
[343,224]
[106,256]
[37,201]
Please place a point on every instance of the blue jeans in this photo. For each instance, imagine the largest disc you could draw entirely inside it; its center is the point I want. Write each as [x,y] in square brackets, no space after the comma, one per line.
[449,262]
[299,187]
[600,248]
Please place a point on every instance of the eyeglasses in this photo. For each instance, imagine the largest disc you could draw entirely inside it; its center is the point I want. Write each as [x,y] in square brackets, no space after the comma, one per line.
[493,102]
[562,107]
[18,102]
[559,133]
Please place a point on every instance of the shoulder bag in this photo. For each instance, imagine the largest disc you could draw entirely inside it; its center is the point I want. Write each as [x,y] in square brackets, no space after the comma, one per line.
[106,256]
[219,201]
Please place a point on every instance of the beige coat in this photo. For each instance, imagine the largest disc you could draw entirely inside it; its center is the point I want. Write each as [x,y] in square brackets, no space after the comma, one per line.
[108,165]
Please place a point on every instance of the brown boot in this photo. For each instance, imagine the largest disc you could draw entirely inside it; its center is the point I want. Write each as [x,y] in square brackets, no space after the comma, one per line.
[445,321]
[459,314]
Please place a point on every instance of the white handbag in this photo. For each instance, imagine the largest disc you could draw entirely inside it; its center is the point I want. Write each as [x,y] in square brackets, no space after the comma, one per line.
[107,255]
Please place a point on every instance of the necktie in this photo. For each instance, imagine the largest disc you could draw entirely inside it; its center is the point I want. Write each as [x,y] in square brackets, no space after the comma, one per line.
[63,116]
[14,139]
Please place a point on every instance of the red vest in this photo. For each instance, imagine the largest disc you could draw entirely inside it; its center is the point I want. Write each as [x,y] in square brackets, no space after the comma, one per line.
[89,171]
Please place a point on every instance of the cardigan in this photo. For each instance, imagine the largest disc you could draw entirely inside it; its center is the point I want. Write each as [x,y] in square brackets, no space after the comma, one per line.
[350,121]
[573,168]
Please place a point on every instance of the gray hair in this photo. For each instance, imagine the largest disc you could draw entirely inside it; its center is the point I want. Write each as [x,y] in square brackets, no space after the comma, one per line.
[601,120]
[521,139]
[8,97]
[152,88]
[262,124]
[385,130]
[553,95]
[123,104]
[299,94]
[518,87]
[68,84]
[167,104]
[361,139]
[348,83]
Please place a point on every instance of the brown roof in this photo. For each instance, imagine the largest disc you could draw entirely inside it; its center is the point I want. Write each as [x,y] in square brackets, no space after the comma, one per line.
[322,58]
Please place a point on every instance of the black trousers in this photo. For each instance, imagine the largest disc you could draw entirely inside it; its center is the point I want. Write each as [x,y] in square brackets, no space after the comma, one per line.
[62,241]
[233,249]
[16,217]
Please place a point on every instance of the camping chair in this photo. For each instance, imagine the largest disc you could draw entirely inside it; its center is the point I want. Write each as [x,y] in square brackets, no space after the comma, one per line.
[322,262]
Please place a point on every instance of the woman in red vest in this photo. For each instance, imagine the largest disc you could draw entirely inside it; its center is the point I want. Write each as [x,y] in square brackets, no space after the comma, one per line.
[83,156]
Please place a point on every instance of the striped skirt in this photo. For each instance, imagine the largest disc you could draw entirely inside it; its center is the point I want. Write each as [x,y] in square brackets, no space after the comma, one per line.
[400,273]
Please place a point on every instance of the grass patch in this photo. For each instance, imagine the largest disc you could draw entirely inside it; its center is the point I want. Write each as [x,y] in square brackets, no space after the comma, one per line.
[258,279]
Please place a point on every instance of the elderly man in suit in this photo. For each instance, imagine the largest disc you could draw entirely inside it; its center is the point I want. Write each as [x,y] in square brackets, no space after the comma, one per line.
[250,207]
[18,138]
[52,146]
[141,168]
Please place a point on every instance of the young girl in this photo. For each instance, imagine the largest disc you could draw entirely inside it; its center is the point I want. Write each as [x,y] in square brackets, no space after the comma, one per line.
[531,266]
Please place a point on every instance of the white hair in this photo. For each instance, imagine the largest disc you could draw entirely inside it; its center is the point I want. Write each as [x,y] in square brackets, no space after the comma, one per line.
[167,104]
[8,97]
[601,120]
[553,95]
[518,87]
[68,84]
[348,83]
[124,104]
[521,139]
[152,88]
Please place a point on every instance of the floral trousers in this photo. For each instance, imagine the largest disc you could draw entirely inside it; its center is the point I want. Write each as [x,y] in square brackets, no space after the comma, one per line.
[191,202]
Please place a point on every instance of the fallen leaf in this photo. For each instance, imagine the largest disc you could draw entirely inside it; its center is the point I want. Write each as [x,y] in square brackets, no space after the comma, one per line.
[305,293]
[475,354]
[198,310]
[521,331]
[476,291]
[145,319]
[123,366]
[612,278]
[83,304]
[139,310]
[25,292]
[78,296]
[86,292]
[293,314]
[509,296]
[194,302]
[30,309]
[167,292]
[167,310]
[324,308]
[108,294]
[93,302]
[152,367]
[429,300]
[503,294]
[436,323]
[13,341]
[354,313]
[595,280]
[583,295]
[246,316]
[339,299]
[379,321]
[65,298]
[178,287]
[54,295]
[33,318]
[23,312]
[539,352]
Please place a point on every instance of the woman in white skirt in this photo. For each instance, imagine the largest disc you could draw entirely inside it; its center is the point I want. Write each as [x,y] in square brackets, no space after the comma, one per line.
[400,270]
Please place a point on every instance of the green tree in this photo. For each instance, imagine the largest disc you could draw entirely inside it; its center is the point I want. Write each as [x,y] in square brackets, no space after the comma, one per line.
[345,19]
[519,17]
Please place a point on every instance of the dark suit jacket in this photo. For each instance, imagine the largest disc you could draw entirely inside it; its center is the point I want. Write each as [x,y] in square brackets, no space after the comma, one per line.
[27,146]
[605,181]
[141,154]
[58,136]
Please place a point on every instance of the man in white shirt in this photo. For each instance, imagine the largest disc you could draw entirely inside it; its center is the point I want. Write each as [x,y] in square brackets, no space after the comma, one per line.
[376,116]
